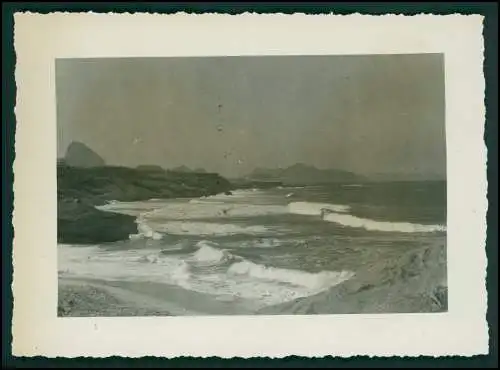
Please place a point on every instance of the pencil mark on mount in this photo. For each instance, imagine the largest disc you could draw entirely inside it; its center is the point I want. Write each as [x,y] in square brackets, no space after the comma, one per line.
[251,185]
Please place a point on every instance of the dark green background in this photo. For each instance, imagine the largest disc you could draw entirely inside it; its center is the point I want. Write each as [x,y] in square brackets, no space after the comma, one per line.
[488,9]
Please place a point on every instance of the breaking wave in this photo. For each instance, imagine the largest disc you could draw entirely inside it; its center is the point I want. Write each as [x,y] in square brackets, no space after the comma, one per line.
[314,209]
[145,231]
[412,282]
[372,225]
[314,281]
[207,254]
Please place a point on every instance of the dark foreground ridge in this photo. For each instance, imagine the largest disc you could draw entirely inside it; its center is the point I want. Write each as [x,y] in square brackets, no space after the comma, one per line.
[80,189]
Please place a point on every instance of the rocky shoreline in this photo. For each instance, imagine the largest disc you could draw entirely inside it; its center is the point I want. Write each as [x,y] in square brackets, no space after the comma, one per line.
[83,224]
[81,189]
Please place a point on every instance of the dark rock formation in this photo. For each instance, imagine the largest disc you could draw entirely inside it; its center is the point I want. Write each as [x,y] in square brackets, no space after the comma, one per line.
[79,223]
[81,188]
[80,155]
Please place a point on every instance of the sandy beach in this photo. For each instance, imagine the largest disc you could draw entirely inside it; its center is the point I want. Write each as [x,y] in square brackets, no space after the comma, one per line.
[82,298]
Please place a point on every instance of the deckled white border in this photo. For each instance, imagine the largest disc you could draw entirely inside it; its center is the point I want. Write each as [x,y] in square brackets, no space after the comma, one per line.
[39,39]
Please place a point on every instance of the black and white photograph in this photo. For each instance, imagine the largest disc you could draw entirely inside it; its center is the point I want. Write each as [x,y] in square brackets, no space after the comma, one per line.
[251,185]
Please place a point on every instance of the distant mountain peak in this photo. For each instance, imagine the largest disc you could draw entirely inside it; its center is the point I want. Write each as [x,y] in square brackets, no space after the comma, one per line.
[80,155]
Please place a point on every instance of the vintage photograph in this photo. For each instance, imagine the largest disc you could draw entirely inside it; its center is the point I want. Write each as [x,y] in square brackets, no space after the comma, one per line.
[251,185]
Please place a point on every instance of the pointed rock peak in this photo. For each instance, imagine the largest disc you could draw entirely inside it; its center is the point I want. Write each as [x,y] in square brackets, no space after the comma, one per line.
[80,155]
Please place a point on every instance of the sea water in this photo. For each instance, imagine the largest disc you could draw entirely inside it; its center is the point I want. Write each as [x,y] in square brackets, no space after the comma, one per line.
[254,249]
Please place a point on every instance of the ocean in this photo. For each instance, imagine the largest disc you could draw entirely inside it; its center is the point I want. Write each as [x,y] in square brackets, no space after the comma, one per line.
[269,251]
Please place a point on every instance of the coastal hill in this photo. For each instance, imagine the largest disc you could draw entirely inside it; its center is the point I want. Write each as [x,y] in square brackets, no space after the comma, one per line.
[101,184]
[83,181]
[302,174]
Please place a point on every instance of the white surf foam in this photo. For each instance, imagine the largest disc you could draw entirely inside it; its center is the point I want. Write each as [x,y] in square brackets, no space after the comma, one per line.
[209,254]
[314,209]
[256,285]
[372,225]
[130,208]
[204,201]
[145,231]
[154,219]
[196,209]
[260,243]
[207,228]
[205,243]
[242,193]
[130,265]
[314,281]
[255,292]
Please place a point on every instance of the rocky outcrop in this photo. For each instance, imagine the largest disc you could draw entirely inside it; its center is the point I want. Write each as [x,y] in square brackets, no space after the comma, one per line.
[81,223]
[80,155]
[80,189]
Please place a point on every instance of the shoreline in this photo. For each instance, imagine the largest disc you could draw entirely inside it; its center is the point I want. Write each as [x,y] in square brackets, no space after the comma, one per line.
[78,297]
[80,190]
[413,282]
[88,297]
[85,224]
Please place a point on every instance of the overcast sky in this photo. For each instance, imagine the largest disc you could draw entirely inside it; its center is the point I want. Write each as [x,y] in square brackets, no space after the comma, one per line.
[366,114]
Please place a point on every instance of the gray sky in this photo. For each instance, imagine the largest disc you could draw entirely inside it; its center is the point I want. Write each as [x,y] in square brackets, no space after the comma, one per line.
[365,114]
